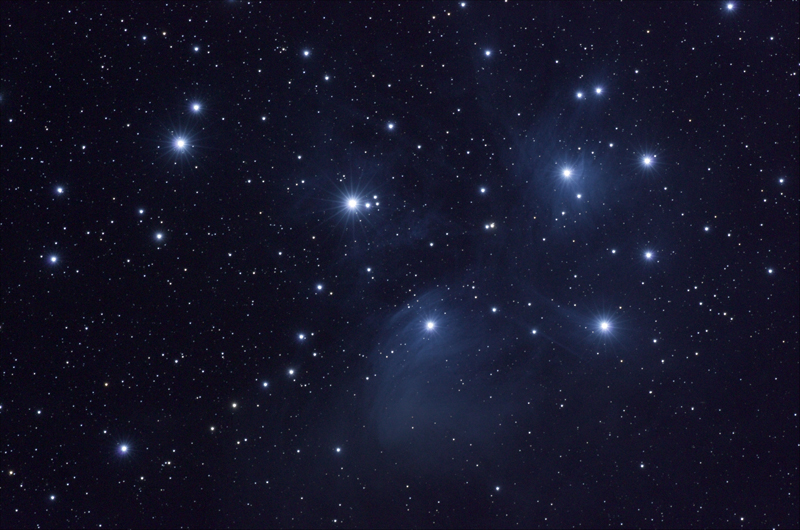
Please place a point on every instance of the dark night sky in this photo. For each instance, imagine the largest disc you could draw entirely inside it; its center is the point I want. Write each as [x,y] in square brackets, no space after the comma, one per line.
[399,264]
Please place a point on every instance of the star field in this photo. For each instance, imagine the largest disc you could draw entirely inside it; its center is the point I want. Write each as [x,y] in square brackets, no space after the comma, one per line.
[448,264]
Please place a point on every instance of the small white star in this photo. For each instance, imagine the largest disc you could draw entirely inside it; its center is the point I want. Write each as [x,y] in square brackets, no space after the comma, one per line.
[306,53]
[338,449]
[598,90]
[648,255]
[301,336]
[59,190]
[265,384]
[123,449]
[159,236]
[53,259]
[196,107]
[319,287]
[579,95]
[390,126]
[488,53]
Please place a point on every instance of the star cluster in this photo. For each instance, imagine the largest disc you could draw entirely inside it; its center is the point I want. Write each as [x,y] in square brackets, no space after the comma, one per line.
[442,265]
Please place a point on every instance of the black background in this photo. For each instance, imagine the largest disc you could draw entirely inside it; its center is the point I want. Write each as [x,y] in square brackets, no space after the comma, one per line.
[682,414]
